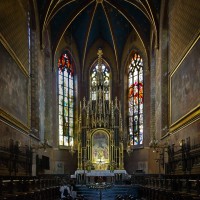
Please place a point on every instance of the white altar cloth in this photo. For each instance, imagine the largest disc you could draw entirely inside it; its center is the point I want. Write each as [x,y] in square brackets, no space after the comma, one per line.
[100,173]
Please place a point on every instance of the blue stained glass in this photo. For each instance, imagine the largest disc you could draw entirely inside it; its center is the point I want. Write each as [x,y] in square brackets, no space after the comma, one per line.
[65,103]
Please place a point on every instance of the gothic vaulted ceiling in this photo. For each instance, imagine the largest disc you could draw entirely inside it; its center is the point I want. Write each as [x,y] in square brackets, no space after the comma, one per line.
[90,20]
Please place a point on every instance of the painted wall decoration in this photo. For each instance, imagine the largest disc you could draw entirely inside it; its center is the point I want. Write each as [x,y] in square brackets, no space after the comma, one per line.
[59,167]
[100,146]
[185,85]
[13,88]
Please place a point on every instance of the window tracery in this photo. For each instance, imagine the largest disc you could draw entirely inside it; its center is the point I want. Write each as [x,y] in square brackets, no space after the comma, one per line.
[135,100]
[66,100]
[95,80]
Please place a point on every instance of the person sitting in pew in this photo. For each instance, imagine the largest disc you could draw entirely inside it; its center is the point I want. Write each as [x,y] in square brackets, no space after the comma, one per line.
[65,191]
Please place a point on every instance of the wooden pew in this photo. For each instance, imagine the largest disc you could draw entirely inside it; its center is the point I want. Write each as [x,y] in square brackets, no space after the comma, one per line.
[29,188]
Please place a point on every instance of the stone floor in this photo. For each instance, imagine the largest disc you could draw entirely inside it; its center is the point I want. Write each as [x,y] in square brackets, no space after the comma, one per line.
[117,192]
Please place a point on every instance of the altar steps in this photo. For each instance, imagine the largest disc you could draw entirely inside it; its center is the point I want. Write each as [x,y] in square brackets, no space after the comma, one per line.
[108,194]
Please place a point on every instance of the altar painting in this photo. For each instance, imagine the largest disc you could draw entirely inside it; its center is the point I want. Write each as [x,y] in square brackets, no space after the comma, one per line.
[185,85]
[100,147]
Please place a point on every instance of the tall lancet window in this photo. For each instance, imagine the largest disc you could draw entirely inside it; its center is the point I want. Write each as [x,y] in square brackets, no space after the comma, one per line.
[95,81]
[135,100]
[66,100]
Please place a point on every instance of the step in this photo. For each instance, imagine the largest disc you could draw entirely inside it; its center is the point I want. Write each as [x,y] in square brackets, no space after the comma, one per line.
[107,194]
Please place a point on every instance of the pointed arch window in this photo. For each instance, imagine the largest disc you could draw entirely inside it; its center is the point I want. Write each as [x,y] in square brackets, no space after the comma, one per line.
[66,100]
[94,81]
[135,100]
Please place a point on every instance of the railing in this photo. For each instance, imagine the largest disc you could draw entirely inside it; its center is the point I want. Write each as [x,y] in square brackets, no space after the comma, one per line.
[184,159]
[165,187]
[15,160]
[32,188]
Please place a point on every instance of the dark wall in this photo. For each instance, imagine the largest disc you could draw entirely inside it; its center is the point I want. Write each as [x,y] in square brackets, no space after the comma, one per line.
[13,87]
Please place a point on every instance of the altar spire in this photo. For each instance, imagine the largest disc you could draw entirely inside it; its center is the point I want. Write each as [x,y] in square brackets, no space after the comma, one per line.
[104,115]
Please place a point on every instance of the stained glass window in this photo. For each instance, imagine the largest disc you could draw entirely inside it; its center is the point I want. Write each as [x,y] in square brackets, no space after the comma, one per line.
[66,100]
[105,81]
[135,100]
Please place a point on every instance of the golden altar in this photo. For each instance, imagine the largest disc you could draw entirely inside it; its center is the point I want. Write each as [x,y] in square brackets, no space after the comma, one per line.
[100,139]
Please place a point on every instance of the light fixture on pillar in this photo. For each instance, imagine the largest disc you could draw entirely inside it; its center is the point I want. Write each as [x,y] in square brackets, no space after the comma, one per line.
[42,145]
[72,150]
[153,143]
[128,146]
[128,149]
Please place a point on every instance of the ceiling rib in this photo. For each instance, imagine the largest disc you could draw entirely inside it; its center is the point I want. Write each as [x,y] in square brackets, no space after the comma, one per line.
[147,11]
[140,7]
[42,20]
[67,24]
[154,21]
[49,10]
[112,35]
[56,8]
[88,34]
[132,22]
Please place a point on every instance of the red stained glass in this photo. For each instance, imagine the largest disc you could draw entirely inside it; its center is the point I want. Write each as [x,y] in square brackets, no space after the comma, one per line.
[64,63]
[135,99]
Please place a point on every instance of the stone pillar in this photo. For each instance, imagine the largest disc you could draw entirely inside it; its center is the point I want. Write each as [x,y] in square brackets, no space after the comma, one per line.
[33,163]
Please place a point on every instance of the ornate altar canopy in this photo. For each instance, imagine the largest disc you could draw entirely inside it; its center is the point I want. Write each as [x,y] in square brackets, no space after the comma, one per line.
[100,145]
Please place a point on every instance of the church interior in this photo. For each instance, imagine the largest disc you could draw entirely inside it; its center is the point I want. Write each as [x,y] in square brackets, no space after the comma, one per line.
[101,93]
